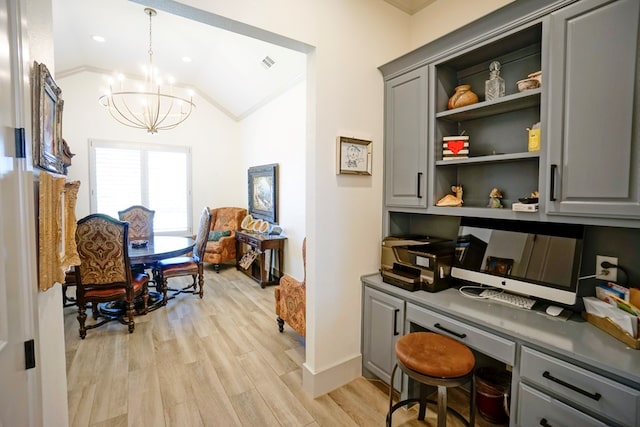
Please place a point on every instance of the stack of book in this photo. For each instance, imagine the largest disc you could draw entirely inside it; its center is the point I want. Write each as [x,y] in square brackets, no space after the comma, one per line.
[455,147]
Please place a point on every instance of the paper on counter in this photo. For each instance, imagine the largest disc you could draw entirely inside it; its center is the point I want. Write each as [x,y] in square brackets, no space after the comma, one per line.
[626,321]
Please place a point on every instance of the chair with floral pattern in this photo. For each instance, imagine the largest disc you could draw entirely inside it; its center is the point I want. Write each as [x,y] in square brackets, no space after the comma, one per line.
[104,273]
[291,299]
[140,221]
[221,243]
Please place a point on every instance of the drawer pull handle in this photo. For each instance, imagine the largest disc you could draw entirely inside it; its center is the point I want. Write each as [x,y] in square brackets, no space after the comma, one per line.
[544,423]
[593,396]
[419,195]
[395,322]
[437,325]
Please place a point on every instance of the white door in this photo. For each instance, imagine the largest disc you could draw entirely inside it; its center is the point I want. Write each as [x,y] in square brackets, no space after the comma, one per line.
[19,387]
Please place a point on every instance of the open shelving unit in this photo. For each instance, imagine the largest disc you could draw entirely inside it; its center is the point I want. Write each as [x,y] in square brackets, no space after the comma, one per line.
[497,129]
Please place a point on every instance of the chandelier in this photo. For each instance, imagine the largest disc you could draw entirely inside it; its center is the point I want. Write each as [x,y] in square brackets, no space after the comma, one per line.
[148,108]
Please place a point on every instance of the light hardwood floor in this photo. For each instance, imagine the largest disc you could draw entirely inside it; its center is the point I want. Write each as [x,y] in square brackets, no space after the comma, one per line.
[219,361]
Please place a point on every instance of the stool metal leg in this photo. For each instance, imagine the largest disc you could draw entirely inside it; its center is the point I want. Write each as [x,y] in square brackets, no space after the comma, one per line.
[442,406]
[393,374]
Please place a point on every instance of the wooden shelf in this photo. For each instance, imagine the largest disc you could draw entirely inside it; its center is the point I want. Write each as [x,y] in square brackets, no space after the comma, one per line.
[494,158]
[505,104]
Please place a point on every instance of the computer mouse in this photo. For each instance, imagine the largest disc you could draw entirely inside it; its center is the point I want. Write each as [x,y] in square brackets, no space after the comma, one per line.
[554,310]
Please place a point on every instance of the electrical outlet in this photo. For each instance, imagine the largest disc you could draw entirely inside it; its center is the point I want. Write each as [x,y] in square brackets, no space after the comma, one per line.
[608,274]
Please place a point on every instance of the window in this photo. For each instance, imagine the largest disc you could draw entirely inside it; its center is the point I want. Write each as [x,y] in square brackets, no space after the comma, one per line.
[155,176]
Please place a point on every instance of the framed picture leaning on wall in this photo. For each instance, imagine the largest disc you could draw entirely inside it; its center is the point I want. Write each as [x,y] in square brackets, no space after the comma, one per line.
[46,120]
[263,192]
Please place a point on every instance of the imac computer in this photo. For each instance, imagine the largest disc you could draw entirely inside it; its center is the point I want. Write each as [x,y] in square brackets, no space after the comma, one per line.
[537,260]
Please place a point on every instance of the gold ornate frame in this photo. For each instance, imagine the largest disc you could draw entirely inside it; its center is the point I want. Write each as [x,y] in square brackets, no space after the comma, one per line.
[56,228]
[47,121]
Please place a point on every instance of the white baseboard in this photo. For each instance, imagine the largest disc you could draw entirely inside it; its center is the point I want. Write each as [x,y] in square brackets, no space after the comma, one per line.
[319,383]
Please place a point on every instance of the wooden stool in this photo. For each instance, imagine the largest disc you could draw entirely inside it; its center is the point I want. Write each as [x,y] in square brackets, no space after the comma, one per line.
[434,360]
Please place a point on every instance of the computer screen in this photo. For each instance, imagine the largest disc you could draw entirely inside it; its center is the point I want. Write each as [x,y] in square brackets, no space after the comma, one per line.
[539,260]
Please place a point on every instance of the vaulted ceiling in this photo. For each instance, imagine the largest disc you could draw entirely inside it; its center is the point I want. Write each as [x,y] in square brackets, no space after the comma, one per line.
[236,73]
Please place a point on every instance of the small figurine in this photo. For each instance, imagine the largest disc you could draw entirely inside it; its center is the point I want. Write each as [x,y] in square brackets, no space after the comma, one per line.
[494,198]
[451,200]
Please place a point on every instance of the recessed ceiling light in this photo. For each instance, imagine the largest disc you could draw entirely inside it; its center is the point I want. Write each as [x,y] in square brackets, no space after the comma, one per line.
[98,39]
[186,59]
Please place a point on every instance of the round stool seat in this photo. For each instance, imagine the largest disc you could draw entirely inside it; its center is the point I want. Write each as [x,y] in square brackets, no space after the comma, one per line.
[434,355]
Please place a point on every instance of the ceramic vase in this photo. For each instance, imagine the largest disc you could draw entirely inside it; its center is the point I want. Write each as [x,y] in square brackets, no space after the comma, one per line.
[462,96]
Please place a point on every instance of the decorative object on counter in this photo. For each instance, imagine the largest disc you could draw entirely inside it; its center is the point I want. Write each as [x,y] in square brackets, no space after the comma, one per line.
[527,84]
[353,156]
[536,75]
[247,223]
[534,137]
[494,87]
[532,198]
[494,198]
[450,200]
[455,147]
[462,96]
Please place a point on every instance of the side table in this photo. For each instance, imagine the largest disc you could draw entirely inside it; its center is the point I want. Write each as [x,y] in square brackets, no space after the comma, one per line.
[258,271]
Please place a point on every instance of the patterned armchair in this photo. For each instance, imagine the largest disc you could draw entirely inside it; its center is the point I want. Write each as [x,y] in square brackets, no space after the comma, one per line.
[221,246]
[291,299]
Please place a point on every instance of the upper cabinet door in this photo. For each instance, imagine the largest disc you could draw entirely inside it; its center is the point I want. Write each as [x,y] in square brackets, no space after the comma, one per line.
[593,120]
[405,158]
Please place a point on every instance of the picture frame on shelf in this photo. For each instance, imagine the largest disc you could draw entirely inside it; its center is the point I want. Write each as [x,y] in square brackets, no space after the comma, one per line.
[263,192]
[47,121]
[353,156]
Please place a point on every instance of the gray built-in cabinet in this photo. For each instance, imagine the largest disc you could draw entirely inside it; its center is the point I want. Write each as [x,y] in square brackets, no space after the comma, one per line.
[588,108]
[593,123]
[406,136]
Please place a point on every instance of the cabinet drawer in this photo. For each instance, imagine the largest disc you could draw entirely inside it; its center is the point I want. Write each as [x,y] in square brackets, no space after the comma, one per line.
[485,342]
[587,389]
[246,239]
[537,409]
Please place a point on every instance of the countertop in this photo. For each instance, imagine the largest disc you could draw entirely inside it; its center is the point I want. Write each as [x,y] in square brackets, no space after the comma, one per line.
[574,340]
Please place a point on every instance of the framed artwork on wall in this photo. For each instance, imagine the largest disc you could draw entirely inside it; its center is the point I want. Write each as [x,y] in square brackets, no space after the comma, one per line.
[263,192]
[353,156]
[47,121]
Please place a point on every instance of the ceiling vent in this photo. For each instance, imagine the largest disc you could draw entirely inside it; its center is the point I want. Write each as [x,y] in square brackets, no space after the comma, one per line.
[267,62]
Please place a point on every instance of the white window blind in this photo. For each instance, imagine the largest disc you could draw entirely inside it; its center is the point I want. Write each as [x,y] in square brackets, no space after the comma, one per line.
[155,176]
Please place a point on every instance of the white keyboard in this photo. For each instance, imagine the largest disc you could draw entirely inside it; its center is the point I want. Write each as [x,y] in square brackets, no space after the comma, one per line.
[500,296]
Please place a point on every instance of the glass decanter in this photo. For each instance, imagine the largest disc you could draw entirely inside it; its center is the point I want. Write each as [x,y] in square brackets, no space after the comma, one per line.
[494,87]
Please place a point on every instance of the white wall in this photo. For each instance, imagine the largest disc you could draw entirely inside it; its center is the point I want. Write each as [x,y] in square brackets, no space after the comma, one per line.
[276,134]
[49,339]
[218,172]
[343,213]
[344,97]
[444,16]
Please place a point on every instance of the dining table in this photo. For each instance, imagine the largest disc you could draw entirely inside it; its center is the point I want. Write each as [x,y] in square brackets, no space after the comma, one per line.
[143,254]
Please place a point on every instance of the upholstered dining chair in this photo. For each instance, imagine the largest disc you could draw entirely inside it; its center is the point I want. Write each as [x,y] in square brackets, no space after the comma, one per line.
[140,221]
[291,299]
[104,273]
[186,265]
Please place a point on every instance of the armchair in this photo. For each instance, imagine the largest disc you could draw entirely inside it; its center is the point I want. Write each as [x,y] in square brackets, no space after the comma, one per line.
[291,299]
[222,245]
